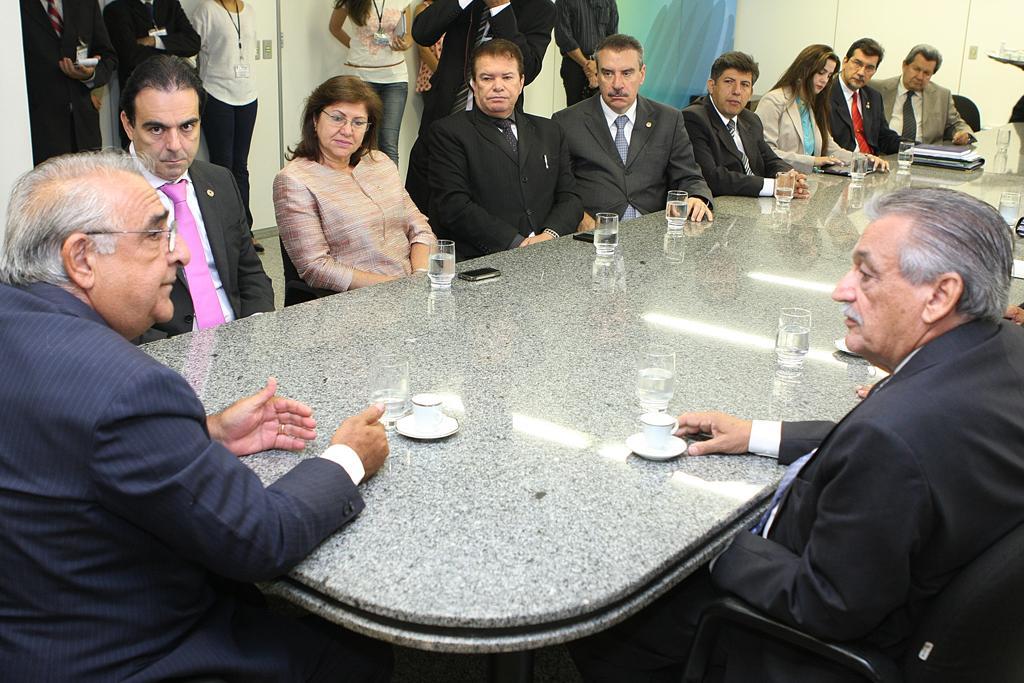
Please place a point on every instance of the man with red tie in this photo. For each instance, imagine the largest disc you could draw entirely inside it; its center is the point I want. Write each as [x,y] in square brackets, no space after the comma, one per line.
[225,280]
[858,121]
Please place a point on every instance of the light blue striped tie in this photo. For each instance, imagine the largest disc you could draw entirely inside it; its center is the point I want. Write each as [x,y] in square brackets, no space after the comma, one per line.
[623,148]
[787,481]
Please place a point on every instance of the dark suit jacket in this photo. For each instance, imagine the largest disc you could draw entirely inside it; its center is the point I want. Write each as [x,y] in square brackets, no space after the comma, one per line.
[118,510]
[60,111]
[527,23]
[719,157]
[127,20]
[483,196]
[659,158]
[241,272]
[910,486]
[882,138]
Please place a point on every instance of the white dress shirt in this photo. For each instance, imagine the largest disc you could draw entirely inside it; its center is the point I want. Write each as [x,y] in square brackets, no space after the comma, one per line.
[896,122]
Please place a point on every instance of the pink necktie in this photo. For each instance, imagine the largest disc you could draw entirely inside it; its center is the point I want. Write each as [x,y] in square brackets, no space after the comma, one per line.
[197,273]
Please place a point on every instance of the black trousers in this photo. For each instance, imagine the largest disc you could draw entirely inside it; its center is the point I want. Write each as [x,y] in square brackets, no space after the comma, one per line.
[577,88]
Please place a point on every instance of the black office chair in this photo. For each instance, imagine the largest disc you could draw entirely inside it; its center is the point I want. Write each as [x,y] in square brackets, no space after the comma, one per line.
[296,291]
[968,111]
[972,631]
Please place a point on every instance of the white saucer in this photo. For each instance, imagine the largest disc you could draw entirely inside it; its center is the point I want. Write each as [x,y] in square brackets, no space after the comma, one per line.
[674,446]
[407,426]
[841,345]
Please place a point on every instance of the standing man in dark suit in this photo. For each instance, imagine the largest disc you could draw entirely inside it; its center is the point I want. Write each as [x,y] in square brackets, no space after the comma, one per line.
[55,37]
[580,26]
[628,151]
[500,178]
[728,139]
[465,24]
[160,106]
[882,509]
[129,520]
[858,117]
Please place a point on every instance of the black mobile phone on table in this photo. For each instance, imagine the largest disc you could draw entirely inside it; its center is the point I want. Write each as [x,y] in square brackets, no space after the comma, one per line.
[584,236]
[478,274]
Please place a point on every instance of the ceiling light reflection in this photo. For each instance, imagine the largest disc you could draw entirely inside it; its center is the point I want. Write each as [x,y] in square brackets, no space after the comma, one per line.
[823,287]
[549,431]
[739,491]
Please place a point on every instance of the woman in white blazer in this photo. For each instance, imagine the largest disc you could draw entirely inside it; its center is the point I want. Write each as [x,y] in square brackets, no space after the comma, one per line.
[795,112]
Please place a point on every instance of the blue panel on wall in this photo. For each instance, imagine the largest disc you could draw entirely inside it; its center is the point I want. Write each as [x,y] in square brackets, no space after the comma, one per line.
[681,39]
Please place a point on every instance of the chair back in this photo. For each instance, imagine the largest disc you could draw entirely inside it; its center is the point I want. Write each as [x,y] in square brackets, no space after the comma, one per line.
[968,111]
[974,629]
[296,291]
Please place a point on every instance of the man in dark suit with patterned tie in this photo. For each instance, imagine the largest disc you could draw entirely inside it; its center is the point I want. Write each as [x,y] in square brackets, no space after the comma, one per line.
[728,139]
[858,118]
[500,178]
[54,36]
[131,528]
[628,151]
[465,24]
[160,107]
[878,512]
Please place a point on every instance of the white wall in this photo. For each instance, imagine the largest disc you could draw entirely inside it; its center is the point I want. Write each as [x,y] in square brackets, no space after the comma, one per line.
[17,145]
[953,26]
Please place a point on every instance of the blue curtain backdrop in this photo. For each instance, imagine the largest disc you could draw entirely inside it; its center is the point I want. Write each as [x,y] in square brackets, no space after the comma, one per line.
[681,39]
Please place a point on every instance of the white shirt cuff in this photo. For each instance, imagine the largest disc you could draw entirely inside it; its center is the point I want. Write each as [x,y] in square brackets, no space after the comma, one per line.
[347,458]
[768,188]
[158,43]
[495,10]
[765,437]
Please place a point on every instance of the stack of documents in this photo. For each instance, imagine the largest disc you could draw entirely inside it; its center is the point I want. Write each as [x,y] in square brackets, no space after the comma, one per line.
[959,157]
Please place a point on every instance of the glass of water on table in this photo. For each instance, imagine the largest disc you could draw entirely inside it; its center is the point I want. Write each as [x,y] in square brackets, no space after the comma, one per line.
[441,264]
[389,385]
[656,377]
[676,209]
[792,340]
[606,233]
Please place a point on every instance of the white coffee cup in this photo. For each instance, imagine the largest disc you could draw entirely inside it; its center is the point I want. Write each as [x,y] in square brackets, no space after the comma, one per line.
[426,411]
[658,427]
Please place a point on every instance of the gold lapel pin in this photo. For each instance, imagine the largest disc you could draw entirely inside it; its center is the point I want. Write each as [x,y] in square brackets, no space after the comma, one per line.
[209,193]
[649,124]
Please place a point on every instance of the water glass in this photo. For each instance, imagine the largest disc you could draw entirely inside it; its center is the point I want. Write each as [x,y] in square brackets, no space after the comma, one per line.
[1009,207]
[905,155]
[441,263]
[656,375]
[859,167]
[389,385]
[608,274]
[785,186]
[792,341]
[674,247]
[1003,139]
[606,233]
[676,209]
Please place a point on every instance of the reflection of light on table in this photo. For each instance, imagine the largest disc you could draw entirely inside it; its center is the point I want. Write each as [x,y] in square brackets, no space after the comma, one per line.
[739,491]
[618,452]
[451,403]
[822,287]
[732,336]
[549,431]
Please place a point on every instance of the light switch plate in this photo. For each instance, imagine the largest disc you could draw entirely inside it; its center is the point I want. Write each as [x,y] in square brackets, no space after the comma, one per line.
[268,49]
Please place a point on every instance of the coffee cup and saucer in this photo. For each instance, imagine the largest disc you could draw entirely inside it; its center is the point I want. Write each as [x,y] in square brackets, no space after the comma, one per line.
[427,422]
[656,441]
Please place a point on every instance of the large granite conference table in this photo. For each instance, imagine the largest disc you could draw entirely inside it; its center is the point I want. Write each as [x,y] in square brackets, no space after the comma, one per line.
[532,525]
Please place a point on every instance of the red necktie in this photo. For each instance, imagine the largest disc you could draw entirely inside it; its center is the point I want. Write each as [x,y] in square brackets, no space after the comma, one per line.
[54,15]
[197,273]
[858,126]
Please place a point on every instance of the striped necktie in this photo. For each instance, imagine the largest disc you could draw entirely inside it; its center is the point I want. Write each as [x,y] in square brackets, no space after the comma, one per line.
[53,14]
[622,147]
[483,24]
[736,138]
[909,122]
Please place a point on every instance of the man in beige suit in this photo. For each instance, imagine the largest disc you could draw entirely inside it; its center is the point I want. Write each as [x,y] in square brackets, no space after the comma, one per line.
[917,108]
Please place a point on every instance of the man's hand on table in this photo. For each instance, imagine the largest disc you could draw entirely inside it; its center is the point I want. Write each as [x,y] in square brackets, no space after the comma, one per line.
[586,223]
[801,191]
[540,237]
[728,434]
[364,434]
[263,421]
[698,210]
[879,164]
[962,138]
[1015,314]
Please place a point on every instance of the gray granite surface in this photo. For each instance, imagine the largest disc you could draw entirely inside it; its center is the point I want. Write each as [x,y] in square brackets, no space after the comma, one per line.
[532,525]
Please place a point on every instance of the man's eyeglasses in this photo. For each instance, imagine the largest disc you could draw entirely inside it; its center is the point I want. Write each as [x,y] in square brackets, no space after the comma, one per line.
[171,232]
[340,120]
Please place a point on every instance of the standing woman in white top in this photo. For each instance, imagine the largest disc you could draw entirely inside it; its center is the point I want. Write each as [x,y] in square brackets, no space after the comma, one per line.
[376,33]
[227,31]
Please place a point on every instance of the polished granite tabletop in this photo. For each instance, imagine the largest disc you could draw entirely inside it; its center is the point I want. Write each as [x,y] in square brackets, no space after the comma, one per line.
[532,524]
